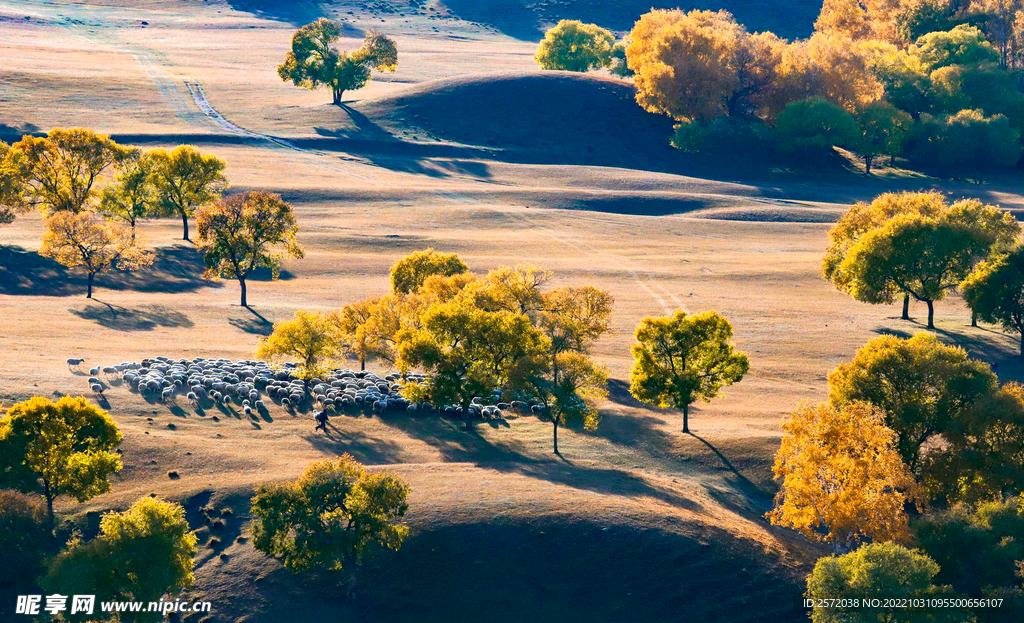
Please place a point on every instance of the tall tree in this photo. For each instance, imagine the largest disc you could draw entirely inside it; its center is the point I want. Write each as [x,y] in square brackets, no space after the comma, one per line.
[61,169]
[143,554]
[925,258]
[826,65]
[700,65]
[241,233]
[995,292]
[681,359]
[329,517]
[864,217]
[356,323]
[963,45]
[920,384]
[841,478]
[184,179]
[409,273]
[313,61]
[883,130]
[311,337]
[131,196]
[815,125]
[58,448]
[572,45]
[467,351]
[564,376]
[85,240]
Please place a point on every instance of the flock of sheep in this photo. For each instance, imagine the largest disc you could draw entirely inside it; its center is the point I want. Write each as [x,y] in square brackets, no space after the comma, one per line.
[249,382]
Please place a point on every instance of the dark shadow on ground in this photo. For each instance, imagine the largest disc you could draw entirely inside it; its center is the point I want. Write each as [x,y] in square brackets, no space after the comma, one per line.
[296,12]
[365,449]
[23,272]
[145,318]
[256,324]
[460,446]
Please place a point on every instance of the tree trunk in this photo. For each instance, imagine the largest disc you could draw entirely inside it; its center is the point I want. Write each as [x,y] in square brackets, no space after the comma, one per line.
[906,307]
[1022,345]
[867,164]
[686,418]
[931,314]
[555,433]
[362,364]
[49,505]
[466,413]
[245,301]
[974,318]
[88,291]
[337,97]
[184,227]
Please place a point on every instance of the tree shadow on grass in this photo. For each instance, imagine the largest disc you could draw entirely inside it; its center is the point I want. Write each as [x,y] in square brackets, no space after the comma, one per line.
[984,343]
[257,325]
[144,318]
[458,445]
[365,449]
[23,272]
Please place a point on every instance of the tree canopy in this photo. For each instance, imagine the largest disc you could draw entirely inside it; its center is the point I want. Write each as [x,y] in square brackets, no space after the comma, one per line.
[184,179]
[141,554]
[680,359]
[816,125]
[841,477]
[242,233]
[329,516]
[995,291]
[85,240]
[58,448]
[314,62]
[310,337]
[131,196]
[920,384]
[409,273]
[572,45]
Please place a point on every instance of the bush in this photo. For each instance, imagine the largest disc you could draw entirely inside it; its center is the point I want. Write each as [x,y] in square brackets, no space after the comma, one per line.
[965,145]
[726,136]
[24,540]
[815,125]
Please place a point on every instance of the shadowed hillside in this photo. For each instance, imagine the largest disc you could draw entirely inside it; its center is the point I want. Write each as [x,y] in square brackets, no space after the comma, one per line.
[551,117]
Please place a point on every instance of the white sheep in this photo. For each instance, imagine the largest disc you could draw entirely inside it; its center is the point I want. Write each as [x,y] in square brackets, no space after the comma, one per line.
[74,362]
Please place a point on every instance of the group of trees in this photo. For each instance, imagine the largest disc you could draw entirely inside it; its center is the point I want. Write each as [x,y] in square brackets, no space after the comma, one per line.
[910,425]
[934,81]
[916,245]
[93,192]
[313,61]
[68,449]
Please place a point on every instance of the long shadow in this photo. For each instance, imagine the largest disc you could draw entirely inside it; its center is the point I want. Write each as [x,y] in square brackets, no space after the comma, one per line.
[257,325]
[751,490]
[297,12]
[460,446]
[981,343]
[364,448]
[145,318]
[178,268]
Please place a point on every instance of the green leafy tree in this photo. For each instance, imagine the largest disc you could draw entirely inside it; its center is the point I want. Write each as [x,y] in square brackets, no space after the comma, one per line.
[358,323]
[904,77]
[815,125]
[310,337]
[966,145]
[962,45]
[239,234]
[995,292]
[877,571]
[618,65]
[313,61]
[864,217]
[467,351]
[58,448]
[572,45]
[925,258]
[982,457]
[919,383]
[59,171]
[915,18]
[681,359]
[25,542]
[977,550]
[142,554]
[329,516]
[564,377]
[883,130]
[131,196]
[184,179]
[409,273]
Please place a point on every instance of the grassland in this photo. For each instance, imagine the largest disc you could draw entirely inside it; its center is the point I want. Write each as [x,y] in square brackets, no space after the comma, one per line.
[468,149]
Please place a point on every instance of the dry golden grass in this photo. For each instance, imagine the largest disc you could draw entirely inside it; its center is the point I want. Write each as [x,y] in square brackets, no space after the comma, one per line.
[637,522]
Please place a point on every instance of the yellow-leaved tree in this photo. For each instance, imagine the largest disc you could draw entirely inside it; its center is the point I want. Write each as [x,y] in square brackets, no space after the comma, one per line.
[842,479]
[85,240]
[311,337]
